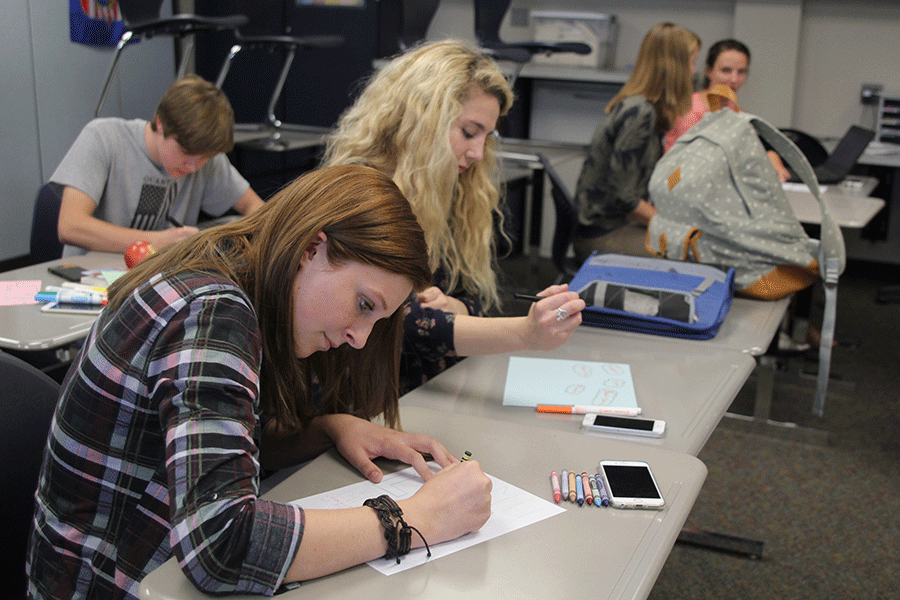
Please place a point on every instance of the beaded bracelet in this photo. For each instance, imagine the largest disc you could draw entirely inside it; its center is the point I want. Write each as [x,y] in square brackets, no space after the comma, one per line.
[399,540]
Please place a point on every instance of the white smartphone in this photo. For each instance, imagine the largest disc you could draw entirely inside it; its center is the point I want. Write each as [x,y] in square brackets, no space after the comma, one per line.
[630,484]
[624,425]
[71,308]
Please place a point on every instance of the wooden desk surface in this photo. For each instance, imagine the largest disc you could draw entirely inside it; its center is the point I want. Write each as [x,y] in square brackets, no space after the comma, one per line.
[585,552]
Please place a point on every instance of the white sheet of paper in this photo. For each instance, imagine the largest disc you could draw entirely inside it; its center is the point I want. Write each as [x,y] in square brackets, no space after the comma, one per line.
[533,381]
[511,509]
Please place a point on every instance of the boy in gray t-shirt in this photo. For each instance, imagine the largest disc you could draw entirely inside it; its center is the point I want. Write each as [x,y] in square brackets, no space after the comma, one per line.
[126,181]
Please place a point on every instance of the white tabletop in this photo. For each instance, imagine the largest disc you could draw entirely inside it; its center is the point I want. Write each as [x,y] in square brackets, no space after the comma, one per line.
[849,202]
[690,386]
[25,327]
[585,552]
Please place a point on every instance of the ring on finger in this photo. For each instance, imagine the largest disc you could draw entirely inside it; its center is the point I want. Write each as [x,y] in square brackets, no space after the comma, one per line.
[561,314]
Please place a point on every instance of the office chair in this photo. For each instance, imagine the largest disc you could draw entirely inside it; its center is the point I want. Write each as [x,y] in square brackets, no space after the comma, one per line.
[45,244]
[811,148]
[566,220]
[29,399]
[488,18]
[142,20]
[256,34]
[404,23]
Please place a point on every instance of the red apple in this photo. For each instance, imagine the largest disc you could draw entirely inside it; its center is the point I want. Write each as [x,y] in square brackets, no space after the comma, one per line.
[137,252]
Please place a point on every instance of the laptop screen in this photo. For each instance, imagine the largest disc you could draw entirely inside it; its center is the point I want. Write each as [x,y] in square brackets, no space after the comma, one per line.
[850,148]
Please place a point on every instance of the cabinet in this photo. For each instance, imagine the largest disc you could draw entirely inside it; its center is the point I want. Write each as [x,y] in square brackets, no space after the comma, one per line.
[887,128]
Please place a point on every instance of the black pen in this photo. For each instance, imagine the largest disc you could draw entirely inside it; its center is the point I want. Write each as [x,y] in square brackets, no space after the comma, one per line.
[173,221]
[530,297]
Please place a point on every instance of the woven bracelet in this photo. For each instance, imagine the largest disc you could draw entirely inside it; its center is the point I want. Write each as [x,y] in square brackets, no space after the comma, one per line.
[399,540]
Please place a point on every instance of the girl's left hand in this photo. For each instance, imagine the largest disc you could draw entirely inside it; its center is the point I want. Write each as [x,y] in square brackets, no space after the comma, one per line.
[434,298]
[360,441]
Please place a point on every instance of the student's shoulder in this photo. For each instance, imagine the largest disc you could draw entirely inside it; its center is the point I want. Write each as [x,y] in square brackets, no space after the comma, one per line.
[114,128]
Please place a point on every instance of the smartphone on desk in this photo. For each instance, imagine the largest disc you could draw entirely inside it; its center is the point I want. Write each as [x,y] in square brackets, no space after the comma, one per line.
[71,308]
[67,272]
[630,484]
[623,425]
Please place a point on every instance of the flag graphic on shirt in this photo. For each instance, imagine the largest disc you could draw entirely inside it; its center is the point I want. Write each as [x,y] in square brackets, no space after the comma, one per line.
[95,22]
[153,205]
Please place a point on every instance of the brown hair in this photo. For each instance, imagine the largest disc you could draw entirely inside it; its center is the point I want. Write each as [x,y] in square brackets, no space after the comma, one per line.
[662,73]
[198,115]
[366,220]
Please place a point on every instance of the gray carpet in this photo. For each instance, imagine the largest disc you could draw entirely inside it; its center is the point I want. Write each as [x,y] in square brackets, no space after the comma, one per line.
[827,513]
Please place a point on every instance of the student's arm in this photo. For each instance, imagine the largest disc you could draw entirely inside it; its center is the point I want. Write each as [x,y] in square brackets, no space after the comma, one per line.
[642,213]
[780,169]
[249,202]
[453,502]
[77,226]
[539,330]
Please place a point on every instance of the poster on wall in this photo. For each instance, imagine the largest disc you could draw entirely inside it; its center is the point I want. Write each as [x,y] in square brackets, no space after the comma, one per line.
[95,22]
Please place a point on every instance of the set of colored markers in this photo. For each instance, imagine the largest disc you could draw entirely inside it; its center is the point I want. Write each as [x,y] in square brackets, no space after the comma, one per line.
[577,488]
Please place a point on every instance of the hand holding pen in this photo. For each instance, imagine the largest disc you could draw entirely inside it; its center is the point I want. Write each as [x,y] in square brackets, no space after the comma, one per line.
[555,314]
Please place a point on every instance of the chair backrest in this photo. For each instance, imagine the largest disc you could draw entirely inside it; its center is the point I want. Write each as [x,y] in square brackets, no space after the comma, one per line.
[45,244]
[811,148]
[415,18]
[139,11]
[29,397]
[566,220]
[488,17]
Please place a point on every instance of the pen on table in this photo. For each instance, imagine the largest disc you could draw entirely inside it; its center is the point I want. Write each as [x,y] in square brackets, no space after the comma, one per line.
[589,410]
[173,221]
[594,490]
[604,496]
[72,297]
[565,484]
[466,456]
[76,287]
[579,490]
[554,481]
[572,493]
[588,495]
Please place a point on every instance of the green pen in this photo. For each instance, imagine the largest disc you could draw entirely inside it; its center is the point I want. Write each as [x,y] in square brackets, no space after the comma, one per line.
[466,456]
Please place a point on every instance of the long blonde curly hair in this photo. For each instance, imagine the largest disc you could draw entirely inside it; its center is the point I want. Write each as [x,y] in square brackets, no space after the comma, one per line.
[400,124]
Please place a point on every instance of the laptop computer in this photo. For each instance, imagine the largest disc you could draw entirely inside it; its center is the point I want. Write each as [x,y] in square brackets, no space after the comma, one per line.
[844,157]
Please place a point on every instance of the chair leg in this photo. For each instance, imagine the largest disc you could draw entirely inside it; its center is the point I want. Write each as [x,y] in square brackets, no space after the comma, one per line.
[126,37]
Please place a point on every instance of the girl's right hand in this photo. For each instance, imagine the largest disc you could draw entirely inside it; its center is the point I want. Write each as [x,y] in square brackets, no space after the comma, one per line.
[456,501]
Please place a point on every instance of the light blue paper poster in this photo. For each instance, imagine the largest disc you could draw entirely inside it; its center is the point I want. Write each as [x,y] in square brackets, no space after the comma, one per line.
[533,381]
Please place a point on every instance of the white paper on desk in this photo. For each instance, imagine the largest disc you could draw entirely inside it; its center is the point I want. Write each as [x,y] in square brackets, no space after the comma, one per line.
[793,186]
[511,509]
[533,381]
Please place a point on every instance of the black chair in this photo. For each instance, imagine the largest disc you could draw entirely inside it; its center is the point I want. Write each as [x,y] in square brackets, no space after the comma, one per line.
[488,18]
[142,20]
[258,33]
[29,398]
[566,221]
[45,244]
[415,19]
[811,147]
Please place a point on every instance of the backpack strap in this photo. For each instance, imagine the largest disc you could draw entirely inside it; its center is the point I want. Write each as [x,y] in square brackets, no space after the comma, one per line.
[832,252]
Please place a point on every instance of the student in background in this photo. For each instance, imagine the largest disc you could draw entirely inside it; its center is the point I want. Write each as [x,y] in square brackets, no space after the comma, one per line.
[611,195]
[428,119]
[727,64]
[203,356]
[124,179]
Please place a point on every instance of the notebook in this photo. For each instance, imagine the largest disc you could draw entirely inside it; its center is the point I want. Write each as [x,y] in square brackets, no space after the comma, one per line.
[844,157]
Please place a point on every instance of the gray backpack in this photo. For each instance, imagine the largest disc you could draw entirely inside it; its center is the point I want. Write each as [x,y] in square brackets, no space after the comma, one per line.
[719,202]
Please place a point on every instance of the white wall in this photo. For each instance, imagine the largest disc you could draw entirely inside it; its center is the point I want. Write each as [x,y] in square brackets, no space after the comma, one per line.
[49,88]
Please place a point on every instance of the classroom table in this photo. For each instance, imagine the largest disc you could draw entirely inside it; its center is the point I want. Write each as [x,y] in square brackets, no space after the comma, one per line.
[25,327]
[690,386]
[848,202]
[584,552]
